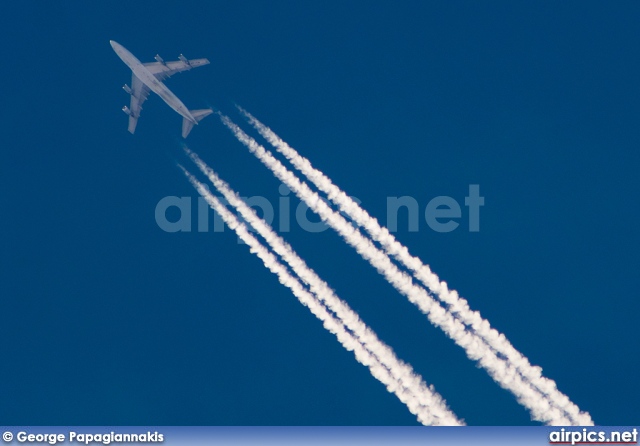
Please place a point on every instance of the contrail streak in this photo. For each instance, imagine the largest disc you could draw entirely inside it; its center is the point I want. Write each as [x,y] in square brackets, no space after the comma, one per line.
[457,305]
[502,372]
[352,333]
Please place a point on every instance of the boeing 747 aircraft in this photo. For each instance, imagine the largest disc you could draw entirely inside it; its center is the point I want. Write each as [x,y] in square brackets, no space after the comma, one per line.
[149,76]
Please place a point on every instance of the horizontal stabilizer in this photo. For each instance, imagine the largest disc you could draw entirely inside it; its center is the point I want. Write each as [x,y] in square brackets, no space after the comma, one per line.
[199,115]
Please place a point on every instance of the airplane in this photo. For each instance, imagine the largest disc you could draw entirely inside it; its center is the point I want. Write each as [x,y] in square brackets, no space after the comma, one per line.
[149,76]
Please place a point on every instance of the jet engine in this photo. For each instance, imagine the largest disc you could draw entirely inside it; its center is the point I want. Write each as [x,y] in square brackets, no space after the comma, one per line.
[159,59]
[126,88]
[127,111]
[184,59]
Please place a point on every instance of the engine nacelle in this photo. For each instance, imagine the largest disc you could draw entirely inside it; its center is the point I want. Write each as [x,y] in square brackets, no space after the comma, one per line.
[160,59]
[126,88]
[184,59]
[127,111]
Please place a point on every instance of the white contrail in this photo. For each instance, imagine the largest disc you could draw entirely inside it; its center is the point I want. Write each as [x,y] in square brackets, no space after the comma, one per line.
[457,305]
[398,377]
[399,370]
[502,372]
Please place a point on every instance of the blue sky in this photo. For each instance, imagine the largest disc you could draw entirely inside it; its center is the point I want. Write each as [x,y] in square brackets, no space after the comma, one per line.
[107,319]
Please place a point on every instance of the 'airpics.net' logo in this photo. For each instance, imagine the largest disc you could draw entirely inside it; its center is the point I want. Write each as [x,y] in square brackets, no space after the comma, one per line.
[441,214]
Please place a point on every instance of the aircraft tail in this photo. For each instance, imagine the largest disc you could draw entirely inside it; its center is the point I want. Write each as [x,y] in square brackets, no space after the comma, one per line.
[199,115]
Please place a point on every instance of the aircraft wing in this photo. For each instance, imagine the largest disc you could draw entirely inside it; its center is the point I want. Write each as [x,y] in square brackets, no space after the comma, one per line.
[139,94]
[163,70]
